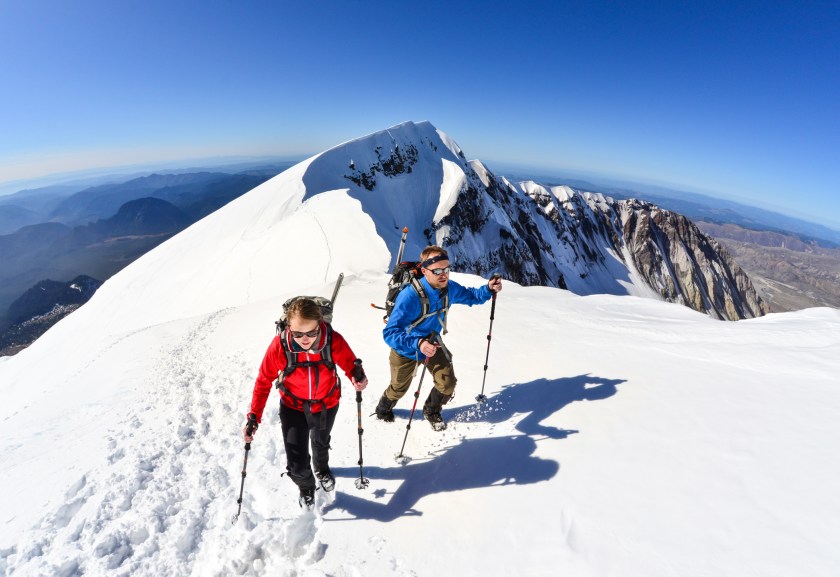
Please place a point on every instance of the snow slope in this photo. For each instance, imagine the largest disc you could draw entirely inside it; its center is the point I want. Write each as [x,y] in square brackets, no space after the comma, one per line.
[622,435]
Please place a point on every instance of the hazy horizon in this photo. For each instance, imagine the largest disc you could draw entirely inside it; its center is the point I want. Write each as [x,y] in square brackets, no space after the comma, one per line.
[536,173]
[735,99]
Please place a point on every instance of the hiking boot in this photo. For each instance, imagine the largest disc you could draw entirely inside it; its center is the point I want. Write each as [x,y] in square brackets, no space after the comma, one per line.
[435,419]
[327,479]
[432,408]
[385,409]
[307,498]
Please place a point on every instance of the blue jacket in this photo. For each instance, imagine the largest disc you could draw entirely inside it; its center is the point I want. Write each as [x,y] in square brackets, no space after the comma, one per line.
[407,309]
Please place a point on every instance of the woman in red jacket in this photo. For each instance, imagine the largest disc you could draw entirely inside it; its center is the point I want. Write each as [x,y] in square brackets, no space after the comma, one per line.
[304,358]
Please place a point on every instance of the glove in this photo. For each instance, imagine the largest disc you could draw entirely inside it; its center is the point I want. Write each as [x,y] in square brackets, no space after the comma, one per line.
[358,378]
[251,427]
[495,283]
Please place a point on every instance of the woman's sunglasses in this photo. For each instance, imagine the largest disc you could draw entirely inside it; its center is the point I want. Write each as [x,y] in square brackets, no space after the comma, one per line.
[310,334]
[439,271]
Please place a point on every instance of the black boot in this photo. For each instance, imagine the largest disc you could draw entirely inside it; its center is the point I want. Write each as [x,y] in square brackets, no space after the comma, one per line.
[432,408]
[307,498]
[326,478]
[385,409]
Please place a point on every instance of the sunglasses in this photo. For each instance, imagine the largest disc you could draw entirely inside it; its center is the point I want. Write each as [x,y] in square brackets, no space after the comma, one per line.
[300,334]
[439,271]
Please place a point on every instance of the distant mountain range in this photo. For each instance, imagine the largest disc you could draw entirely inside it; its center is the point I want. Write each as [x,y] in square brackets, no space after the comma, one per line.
[579,236]
[58,232]
[80,204]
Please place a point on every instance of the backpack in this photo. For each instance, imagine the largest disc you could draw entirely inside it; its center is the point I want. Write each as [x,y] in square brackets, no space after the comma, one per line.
[407,273]
[292,363]
[325,304]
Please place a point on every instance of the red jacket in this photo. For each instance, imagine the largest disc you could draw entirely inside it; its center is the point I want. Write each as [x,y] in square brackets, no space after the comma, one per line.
[302,382]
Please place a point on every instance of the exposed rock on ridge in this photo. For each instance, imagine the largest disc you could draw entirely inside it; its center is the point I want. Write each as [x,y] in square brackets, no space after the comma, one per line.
[416,176]
[592,233]
[683,264]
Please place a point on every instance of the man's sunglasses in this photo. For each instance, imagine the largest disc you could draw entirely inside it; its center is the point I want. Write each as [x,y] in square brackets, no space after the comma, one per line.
[310,334]
[439,271]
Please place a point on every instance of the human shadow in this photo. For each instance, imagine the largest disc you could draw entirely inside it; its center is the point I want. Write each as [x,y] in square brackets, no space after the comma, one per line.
[537,400]
[483,462]
[471,464]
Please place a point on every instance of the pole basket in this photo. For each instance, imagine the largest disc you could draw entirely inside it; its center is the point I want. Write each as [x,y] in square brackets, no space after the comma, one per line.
[362,483]
[402,459]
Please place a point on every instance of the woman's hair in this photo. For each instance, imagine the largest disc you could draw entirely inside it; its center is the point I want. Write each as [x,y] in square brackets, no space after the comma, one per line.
[432,250]
[305,309]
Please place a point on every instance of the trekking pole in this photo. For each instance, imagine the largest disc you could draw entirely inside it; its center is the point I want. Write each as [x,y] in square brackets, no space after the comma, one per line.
[359,375]
[399,457]
[481,396]
[249,431]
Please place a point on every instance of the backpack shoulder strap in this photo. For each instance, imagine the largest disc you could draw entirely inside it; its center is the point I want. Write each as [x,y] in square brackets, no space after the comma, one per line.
[326,350]
[421,292]
[291,363]
[424,302]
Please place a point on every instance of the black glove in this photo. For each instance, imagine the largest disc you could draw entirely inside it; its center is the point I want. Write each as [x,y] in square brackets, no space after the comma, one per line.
[358,371]
[252,425]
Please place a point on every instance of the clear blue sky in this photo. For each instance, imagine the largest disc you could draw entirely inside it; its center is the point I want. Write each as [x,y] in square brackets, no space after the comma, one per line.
[737,99]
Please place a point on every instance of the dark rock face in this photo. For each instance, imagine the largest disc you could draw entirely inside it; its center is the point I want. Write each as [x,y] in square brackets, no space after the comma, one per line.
[684,265]
[399,161]
[40,307]
[587,242]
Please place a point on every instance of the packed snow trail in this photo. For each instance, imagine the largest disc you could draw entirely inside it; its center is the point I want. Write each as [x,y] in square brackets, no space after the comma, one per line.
[163,502]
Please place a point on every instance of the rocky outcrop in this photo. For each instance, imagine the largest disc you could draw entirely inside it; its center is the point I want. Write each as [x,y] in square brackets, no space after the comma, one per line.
[41,307]
[684,265]
[587,239]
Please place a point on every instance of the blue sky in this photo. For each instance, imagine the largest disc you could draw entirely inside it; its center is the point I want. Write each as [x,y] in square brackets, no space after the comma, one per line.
[737,99]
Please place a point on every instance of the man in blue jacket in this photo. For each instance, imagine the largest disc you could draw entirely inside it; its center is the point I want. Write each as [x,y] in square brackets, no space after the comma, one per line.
[408,334]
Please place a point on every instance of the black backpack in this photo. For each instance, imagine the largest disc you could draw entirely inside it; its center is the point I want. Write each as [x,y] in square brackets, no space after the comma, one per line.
[407,273]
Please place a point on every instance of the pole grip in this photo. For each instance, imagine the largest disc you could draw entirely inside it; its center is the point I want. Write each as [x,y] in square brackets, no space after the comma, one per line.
[358,371]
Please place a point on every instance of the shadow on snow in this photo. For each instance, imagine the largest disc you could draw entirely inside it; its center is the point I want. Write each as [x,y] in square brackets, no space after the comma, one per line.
[482,462]
[537,400]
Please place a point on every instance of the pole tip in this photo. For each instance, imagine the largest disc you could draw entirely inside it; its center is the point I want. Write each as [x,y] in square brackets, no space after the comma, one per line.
[405,229]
